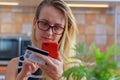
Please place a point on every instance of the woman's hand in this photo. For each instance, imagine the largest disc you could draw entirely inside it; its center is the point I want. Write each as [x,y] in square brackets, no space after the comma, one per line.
[27,69]
[53,67]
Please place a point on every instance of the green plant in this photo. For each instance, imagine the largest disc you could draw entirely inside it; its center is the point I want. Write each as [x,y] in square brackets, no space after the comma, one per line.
[104,67]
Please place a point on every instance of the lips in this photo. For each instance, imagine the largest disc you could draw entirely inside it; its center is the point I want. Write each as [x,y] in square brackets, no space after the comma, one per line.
[46,38]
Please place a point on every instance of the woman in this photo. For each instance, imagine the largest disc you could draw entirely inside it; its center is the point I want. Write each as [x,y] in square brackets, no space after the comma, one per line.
[53,21]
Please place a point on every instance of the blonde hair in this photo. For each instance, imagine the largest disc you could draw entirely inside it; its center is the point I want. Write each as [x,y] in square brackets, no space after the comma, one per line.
[67,40]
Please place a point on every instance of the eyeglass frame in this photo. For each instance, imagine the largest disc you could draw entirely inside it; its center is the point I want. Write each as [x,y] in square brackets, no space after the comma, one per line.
[49,26]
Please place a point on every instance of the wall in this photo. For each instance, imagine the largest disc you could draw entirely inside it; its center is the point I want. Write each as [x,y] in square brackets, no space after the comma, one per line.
[96,26]
[118,24]
[16,20]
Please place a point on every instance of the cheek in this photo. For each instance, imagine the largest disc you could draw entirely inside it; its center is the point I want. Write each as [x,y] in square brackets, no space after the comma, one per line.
[57,38]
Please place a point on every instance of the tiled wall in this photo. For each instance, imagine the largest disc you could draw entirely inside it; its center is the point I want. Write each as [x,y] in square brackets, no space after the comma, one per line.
[118,25]
[16,20]
[95,25]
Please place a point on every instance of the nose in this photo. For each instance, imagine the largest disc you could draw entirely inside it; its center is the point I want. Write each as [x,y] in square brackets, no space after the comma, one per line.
[50,31]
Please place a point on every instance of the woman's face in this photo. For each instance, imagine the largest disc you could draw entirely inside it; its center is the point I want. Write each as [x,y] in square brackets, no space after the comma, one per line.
[50,16]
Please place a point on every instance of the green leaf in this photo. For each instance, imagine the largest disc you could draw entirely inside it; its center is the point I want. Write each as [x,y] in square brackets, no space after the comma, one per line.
[104,68]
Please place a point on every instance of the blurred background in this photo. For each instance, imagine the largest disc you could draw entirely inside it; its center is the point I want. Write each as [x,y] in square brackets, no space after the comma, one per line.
[98,22]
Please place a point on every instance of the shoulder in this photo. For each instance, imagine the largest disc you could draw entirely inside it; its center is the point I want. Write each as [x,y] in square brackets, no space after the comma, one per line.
[13,61]
[12,68]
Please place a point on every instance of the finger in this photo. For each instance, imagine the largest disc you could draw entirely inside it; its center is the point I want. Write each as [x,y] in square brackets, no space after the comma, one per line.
[47,69]
[45,59]
[35,64]
[30,66]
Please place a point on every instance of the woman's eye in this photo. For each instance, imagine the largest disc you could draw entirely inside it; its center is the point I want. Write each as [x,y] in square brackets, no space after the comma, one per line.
[45,24]
[56,28]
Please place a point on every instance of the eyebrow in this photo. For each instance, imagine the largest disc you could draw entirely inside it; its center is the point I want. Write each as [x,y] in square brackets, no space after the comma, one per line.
[58,24]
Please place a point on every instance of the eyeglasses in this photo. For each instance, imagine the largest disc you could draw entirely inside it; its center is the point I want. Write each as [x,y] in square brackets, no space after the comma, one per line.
[45,26]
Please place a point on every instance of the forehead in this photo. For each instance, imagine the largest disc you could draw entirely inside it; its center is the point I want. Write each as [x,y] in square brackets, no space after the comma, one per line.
[52,14]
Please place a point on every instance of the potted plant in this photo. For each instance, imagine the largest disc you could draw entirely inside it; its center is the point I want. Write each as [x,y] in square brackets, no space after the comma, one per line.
[103,67]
